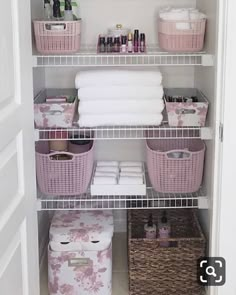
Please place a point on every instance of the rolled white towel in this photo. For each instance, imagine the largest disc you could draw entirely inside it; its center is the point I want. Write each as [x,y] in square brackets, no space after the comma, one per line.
[108,163]
[130,180]
[131,169]
[120,92]
[132,174]
[131,163]
[104,180]
[118,77]
[111,169]
[120,119]
[152,106]
[196,15]
[109,174]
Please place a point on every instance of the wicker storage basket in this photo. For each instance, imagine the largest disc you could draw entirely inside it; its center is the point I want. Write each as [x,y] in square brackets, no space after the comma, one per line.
[181,36]
[170,172]
[65,176]
[155,270]
[53,37]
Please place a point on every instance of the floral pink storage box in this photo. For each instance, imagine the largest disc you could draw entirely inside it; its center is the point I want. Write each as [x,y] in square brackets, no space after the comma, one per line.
[80,253]
[186,107]
[55,108]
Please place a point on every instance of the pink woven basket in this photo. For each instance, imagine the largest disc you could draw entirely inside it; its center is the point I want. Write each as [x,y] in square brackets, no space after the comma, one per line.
[63,177]
[57,37]
[181,36]
[171,174]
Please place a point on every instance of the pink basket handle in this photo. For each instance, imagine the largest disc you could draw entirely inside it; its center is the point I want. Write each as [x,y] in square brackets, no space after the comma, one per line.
[60,153]
[185,152]
[48,26]
[184,111]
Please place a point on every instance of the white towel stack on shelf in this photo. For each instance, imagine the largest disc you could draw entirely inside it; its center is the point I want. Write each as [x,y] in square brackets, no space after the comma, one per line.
[119,97]
[113,172]
[181,14]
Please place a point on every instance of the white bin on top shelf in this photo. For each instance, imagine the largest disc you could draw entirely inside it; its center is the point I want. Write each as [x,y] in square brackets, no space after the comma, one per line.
[80,253]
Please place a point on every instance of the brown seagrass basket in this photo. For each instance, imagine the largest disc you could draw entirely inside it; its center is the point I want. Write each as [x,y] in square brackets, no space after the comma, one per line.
[155,270]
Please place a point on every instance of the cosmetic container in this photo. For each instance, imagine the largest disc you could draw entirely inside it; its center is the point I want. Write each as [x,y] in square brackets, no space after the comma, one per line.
[150,229]
[136,40]
[164,230]
[123,44]
[142,42]
[130,43]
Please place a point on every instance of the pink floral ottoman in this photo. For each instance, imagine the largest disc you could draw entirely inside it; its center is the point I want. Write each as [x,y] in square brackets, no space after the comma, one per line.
[80,253]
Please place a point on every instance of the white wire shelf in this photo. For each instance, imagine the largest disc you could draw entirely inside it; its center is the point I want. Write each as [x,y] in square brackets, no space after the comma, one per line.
[124,132]
[151,200]
[88,56]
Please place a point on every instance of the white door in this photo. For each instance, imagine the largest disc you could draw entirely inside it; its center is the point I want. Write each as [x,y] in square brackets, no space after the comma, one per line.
[18,223]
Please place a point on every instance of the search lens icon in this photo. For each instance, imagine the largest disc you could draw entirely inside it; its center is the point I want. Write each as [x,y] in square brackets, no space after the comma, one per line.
[210,270]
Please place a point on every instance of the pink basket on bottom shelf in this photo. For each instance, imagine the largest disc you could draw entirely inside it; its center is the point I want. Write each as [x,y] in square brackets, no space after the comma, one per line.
[175,166]
[181,36]
[63,177]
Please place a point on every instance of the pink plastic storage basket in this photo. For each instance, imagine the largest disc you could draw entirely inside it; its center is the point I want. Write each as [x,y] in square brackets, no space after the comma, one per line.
[181,36]
[170,173]
[57,37]
[63,177]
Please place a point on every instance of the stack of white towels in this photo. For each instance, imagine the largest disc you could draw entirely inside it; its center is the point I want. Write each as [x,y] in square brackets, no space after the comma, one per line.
[114,172]
[119,97]
[181,14]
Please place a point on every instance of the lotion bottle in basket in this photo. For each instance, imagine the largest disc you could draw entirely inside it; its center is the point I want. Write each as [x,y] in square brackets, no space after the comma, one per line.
[150,229]
[164,230]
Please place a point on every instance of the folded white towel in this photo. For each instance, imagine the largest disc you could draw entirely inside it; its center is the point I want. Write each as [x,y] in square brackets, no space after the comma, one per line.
[130,180]
[108,163]
[104,180]
[107,169]
[109,174]
[131,169]
[120,119]
[118,77]
[131,163]
[152,106]
[132,174]
[119,92]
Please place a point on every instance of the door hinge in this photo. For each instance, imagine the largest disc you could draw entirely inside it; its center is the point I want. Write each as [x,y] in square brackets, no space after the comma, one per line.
[221,132]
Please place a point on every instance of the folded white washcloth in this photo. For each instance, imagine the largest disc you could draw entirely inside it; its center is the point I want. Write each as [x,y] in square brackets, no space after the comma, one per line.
[152,106]
[109,174]
[108,163]
[132,174]
[120,119]
[131,163]
[111,169]
[104,180]
[130,180]
[120,92]
[131,169]
[118,77]
[196,15]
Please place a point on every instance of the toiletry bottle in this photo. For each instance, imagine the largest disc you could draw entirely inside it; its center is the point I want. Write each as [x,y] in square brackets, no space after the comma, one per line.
[130,43]
[57,10]
[109,44]
[102,44]
[164,230]
[142,42]
[123,44]
[68,14]
[136,40]
[116,46]
[150,229]
[47,10]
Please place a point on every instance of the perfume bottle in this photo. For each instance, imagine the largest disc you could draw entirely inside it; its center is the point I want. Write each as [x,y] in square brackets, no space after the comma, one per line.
[130,43]
[150,229]
[164,230]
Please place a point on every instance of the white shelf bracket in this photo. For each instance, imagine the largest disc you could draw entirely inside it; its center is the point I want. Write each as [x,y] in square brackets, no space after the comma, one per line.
[206,133]
[39,205]
[36,135]
[203,203]
[34,61]
[208,60]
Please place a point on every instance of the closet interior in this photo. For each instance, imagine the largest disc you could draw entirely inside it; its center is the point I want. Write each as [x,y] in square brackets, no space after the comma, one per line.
[128,143]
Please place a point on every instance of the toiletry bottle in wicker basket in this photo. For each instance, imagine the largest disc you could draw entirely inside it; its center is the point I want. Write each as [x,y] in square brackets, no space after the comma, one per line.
[150,229]
[164,230]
